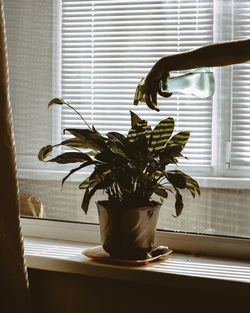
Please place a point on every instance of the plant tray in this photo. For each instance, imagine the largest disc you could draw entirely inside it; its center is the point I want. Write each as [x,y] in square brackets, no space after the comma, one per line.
[98,254]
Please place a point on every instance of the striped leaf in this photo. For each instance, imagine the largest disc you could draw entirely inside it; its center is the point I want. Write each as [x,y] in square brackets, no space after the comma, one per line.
[71,157]
[192,185]
[140,129]
[177,179]
[161,134]
[89,139]
[134,119]
[74,143]
[180,138]
[117,137]
[169,153]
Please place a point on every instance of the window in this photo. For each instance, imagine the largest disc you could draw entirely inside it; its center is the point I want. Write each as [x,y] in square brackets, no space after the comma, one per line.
[93,54]
[107,46]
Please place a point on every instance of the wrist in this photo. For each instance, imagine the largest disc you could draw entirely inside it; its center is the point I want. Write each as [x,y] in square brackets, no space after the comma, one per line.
[180,61]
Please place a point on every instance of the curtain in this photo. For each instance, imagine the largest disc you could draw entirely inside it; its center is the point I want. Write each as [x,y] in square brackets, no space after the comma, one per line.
[14,289]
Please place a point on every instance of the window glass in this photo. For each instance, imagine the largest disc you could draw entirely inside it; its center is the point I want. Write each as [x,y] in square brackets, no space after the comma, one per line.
[93,54]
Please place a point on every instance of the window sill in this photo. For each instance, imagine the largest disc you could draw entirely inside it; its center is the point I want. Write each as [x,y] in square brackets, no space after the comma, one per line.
[175,270]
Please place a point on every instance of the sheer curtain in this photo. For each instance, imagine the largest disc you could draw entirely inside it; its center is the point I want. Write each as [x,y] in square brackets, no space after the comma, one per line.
[13,276]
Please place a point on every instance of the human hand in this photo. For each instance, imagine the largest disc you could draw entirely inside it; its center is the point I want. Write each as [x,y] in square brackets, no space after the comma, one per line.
[152,84]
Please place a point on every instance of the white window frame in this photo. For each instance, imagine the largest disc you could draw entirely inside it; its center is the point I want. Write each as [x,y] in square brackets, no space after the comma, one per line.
[197,244]
[191,243]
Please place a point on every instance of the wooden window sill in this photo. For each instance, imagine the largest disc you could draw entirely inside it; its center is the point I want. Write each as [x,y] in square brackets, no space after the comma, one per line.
[176,270]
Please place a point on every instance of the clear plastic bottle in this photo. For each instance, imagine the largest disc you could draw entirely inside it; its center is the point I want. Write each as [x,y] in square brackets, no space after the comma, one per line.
[199,82]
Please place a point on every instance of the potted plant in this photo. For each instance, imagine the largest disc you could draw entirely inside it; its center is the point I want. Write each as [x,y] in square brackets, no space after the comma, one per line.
[130,170]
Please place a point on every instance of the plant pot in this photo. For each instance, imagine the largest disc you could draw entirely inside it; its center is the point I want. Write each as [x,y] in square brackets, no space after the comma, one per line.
[128,234]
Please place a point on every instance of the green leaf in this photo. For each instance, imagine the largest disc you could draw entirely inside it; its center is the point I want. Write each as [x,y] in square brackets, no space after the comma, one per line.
[79,133]
[56,101]
[161,192]
[92,152]
[87,197]
[134,119]
[44,152]
[89,193]
[71,157]
[140,129]
[192,185]
[74,143]
[105,156]
[101,169]
[176,179]
[140,147]
[169,153]
[117,137]
[161,134]
[85,201]
[191,189]
[95,130]
[89,139]
[178,203]
[117,147]
[158,174]
[89,183]
[76,169]
[125,183]
[181,138]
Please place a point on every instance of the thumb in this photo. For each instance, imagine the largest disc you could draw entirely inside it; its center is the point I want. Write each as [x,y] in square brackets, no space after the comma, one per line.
[164,94]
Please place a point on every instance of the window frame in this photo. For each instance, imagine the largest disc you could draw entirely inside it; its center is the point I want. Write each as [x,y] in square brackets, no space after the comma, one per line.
[196,244]
[191,243]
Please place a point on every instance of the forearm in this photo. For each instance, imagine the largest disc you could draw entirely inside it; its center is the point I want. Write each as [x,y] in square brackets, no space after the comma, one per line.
[220,54]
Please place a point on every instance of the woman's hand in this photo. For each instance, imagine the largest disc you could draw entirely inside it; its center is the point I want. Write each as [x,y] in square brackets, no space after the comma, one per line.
[152,83]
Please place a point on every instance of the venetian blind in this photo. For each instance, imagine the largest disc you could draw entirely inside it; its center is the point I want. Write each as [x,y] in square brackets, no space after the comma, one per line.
[240,132]
[107,46]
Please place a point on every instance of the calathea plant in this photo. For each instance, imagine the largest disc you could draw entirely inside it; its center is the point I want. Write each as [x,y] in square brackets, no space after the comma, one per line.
[129,169]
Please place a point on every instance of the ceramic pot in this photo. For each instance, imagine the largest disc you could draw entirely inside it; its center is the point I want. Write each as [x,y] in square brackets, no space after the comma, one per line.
[128,234]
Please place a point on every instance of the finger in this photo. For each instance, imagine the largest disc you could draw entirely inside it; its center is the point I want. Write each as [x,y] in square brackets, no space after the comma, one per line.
[150,103]
[154,97]
[164,94]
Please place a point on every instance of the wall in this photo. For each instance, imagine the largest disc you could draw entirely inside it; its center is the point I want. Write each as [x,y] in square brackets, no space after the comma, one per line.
[64,293]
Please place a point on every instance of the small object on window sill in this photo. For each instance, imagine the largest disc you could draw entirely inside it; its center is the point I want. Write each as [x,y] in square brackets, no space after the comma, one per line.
[30,205]
[99,254]
[160,250]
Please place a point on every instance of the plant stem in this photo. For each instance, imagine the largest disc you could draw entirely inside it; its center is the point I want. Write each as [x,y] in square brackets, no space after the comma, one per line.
[78,114]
